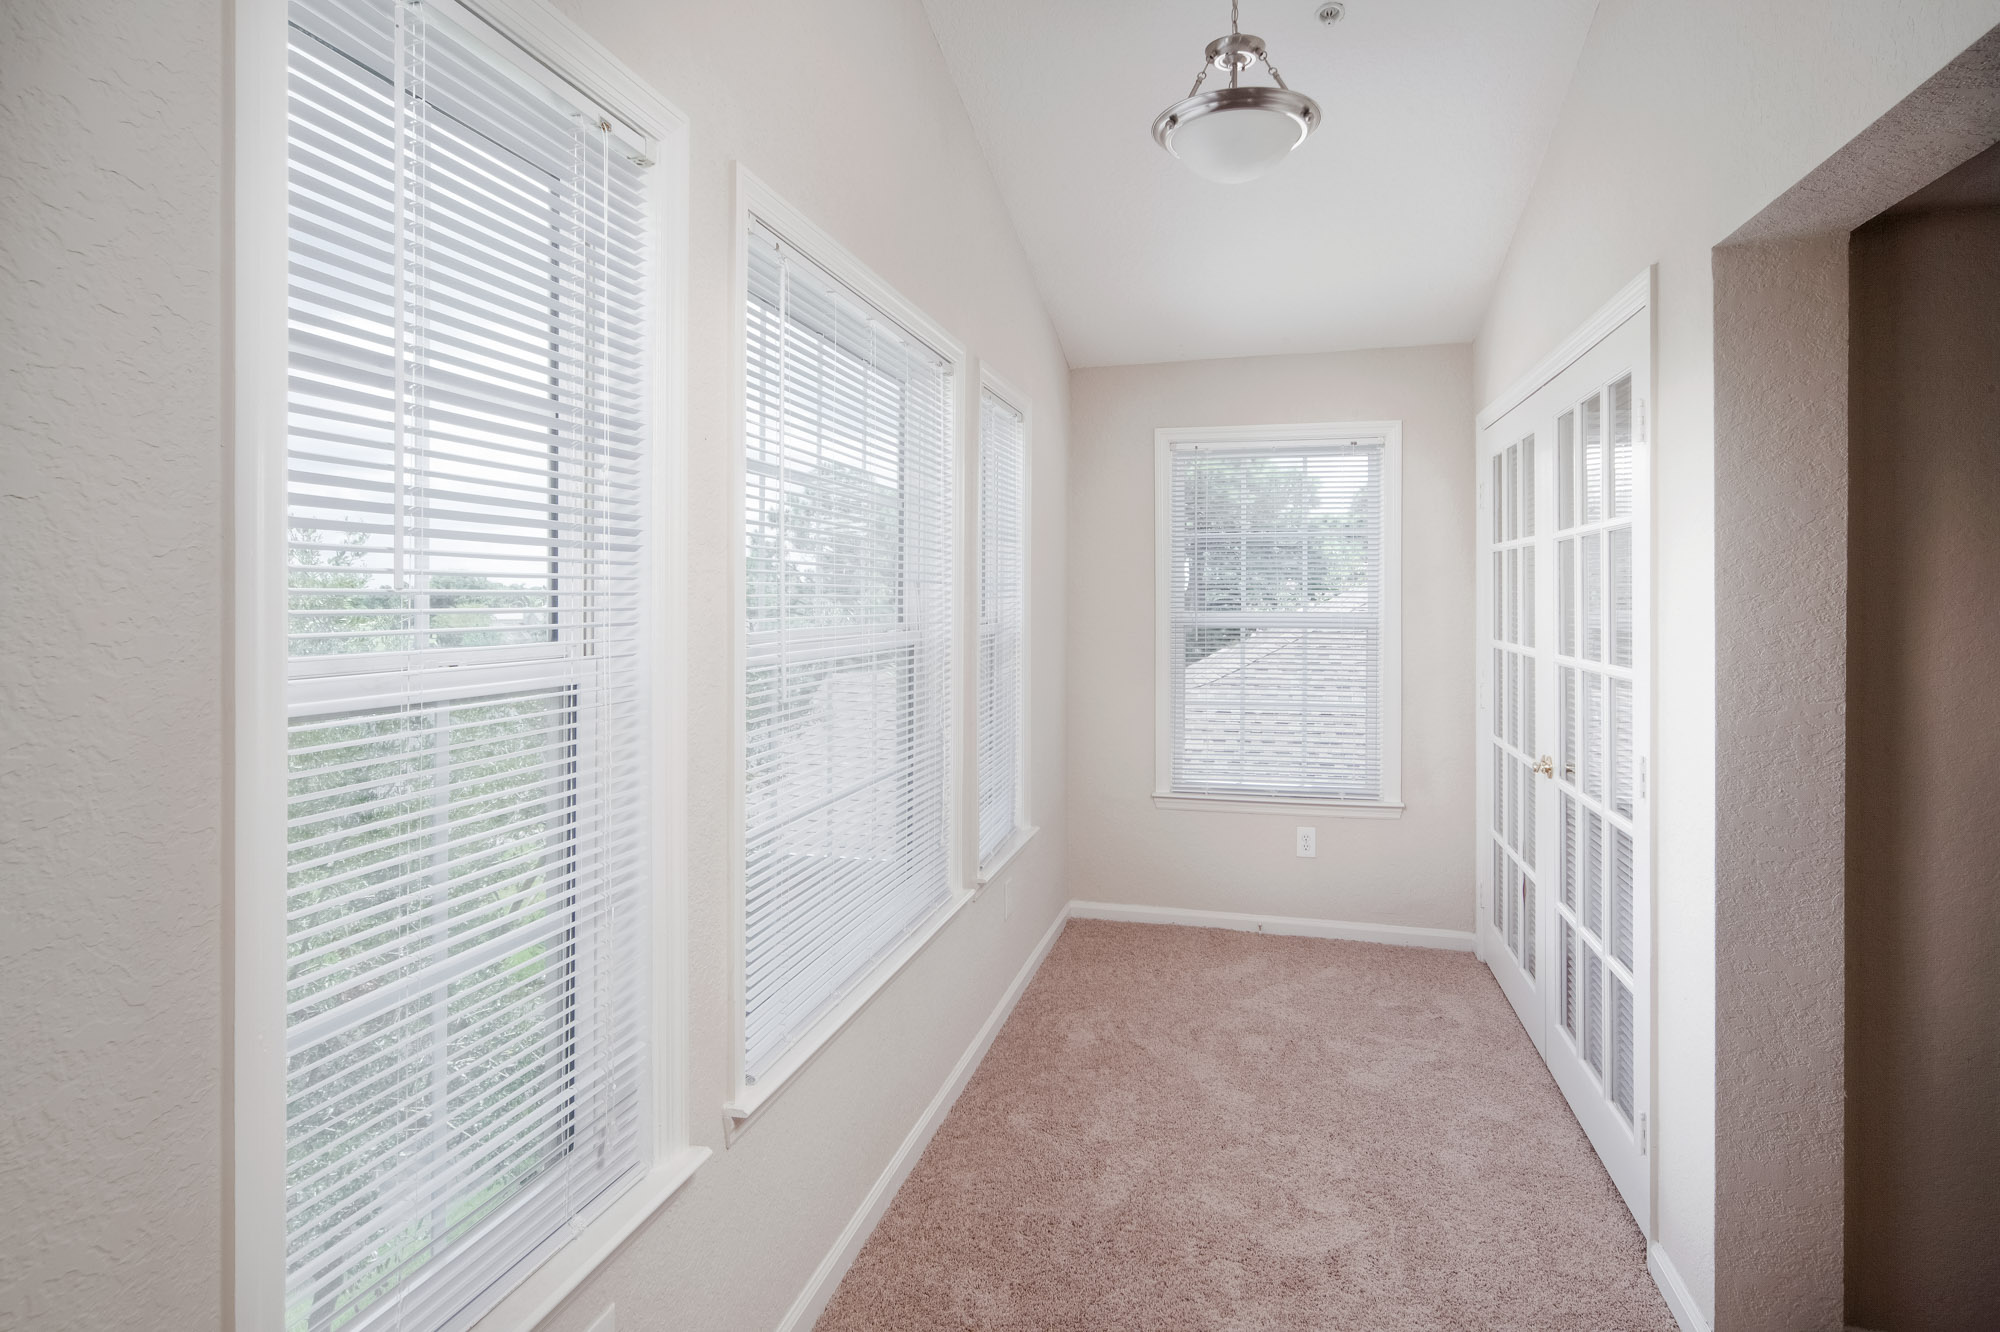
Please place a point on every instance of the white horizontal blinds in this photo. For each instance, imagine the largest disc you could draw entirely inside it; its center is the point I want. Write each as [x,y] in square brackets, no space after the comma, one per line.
[848,477]
[464,998]
[1594,559]
[1515,668]
[1276,619]
[1003,465]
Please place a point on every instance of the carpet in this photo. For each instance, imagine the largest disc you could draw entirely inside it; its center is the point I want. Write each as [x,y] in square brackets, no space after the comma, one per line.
[1206,1129]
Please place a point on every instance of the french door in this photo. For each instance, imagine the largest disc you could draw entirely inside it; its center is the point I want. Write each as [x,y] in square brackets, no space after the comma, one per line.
[1565,844]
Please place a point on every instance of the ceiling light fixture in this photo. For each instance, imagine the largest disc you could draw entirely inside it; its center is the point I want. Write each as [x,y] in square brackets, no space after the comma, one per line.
[1236,133]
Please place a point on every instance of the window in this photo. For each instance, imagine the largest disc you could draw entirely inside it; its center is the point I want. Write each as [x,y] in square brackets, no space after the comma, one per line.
[1278,631]
[1002,722]
[849,471]
[469,876]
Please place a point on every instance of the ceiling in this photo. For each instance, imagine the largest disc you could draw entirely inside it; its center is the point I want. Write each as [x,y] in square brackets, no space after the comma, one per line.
[1385,228]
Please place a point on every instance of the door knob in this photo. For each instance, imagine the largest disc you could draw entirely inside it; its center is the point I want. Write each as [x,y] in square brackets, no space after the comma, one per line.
[1547,767]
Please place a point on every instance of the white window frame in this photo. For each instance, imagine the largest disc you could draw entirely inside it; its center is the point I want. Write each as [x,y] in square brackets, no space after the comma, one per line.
[757,202]
[1250,438]
[1024,825]
[256,679]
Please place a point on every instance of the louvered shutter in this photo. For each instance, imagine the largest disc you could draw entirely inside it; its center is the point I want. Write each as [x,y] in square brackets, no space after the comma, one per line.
[1275,622]
[1003,463]
[465,1024]
[848,477]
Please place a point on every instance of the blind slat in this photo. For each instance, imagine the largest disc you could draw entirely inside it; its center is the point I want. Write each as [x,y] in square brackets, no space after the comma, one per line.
[465,900]
[1275,621]
[1003,575]
[847,518]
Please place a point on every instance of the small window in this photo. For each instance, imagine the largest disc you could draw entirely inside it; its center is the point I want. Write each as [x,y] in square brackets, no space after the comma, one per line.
[850,558]
[1279,583]
[1003,548]
[466,1023]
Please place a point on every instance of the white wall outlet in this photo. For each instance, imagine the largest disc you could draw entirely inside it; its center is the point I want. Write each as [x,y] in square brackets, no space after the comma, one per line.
[606,1321]
[1308,841]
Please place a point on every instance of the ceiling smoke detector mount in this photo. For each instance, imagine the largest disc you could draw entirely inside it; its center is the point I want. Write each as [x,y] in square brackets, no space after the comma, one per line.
[1332,12]
[1236,133]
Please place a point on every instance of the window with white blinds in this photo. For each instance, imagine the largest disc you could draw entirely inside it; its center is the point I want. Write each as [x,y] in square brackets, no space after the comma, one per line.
[1278,623]
[849,556]
[466,1036]
[1003,477]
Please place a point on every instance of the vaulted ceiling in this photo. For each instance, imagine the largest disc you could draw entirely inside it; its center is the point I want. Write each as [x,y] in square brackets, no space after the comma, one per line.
[1387,227]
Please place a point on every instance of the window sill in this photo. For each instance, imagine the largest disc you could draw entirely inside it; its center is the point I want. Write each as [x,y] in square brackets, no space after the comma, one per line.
[565,1269]
[749,1101]
[991,869]
[1325,809]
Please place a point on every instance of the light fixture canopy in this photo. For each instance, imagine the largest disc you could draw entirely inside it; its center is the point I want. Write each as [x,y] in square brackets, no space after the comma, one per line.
[1236,133]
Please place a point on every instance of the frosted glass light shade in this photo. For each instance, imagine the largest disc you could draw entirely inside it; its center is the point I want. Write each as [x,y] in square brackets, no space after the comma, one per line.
[1238,144]
[1236,134]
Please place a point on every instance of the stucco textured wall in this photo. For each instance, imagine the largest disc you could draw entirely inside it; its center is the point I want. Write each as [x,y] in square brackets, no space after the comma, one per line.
[1413,870]
[1923,710]
[111,806]
[1781,588]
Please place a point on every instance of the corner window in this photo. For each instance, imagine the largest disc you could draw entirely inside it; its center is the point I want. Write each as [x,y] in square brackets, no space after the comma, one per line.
[1278,647]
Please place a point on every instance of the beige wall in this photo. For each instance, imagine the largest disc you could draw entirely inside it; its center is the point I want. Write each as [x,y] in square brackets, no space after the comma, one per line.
[1414,870]
[111,802]
[1682,122]
[1923,709]
[802,94]
[112,976]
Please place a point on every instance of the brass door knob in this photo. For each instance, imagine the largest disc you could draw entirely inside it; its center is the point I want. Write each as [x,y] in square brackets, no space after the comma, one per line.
[1547,767]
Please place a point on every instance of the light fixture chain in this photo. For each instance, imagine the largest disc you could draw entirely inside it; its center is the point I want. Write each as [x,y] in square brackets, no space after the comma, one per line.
[1232,16]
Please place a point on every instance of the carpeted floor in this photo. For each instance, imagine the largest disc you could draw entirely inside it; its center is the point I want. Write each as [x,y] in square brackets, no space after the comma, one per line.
[1204,1129]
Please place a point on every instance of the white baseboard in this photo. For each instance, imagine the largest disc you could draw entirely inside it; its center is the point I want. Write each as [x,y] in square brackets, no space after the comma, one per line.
[812,1301]
[1679,1302]
[1409,935]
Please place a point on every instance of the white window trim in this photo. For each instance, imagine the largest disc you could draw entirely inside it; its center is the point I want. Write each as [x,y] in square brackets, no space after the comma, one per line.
[1025,827]
[1253,437]
[756,200]
[256,678]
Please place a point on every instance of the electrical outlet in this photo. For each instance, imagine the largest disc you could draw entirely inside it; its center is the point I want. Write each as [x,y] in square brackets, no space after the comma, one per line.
[1308,841]
[606,1321]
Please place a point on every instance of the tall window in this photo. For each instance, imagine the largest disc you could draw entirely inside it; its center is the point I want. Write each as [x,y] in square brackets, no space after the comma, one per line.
[466,450]
[1003,475]
[848,522]
[1278,643]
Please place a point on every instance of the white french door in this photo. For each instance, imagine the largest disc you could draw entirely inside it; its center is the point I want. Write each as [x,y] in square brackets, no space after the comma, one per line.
[1565,844]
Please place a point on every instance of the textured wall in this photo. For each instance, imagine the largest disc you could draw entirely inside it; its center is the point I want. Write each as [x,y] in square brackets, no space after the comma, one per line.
[1780,668]
[1406,871]
[1682,122]
[111,506]
[1923,707]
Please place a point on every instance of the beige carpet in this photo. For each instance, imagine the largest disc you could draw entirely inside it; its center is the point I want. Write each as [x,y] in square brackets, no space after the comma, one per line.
[1204,1129]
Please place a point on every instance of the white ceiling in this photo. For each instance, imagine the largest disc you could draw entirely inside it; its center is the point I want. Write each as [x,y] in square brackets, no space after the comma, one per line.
[1386,228]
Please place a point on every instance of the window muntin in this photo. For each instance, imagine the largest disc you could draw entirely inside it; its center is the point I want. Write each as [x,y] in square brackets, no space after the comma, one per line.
[466,460]
[1003,467]
[1277,619]
[849,559]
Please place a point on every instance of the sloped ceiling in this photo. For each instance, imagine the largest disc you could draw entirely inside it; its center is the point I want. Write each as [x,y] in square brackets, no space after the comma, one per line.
[1386,228]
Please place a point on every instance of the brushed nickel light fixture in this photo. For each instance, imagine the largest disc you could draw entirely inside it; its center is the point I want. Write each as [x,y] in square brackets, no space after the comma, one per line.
[1236,133]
